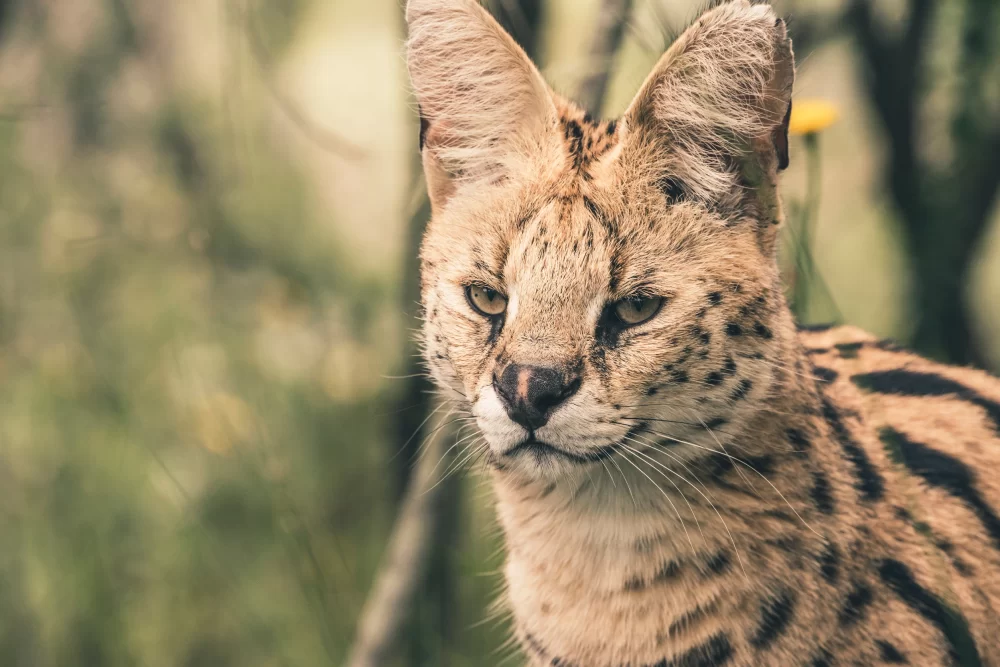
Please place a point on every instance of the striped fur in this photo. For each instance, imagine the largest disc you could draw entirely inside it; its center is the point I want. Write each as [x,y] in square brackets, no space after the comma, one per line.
[722,489]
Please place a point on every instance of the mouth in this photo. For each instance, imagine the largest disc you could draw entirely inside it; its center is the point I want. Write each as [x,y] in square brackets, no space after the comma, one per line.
[541,450]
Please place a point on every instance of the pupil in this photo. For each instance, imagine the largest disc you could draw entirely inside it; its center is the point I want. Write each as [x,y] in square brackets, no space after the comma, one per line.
[489,294]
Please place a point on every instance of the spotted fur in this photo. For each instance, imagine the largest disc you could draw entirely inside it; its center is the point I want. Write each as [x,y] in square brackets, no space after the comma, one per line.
[719,488]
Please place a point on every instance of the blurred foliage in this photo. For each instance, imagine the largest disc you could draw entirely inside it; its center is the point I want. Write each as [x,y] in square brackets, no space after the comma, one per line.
[199,437]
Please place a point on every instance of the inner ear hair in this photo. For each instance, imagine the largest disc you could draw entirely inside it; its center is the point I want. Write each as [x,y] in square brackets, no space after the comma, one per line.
[722,90]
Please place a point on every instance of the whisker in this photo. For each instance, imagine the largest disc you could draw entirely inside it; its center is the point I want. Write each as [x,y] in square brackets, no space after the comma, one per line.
[672,506]
[709,500]
[754,470]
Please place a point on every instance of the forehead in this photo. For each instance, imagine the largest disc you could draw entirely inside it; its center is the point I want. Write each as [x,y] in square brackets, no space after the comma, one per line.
[584,215]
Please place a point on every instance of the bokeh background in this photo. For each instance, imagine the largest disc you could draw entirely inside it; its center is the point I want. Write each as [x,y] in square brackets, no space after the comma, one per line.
[209,212]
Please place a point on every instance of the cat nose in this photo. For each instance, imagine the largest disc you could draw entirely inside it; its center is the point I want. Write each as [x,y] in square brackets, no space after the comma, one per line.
[531,393]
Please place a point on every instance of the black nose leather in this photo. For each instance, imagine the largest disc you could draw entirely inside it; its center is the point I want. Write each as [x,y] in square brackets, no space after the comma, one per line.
[531,393]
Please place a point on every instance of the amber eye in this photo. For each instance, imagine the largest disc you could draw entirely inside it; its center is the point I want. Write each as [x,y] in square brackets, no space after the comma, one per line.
[486,301]
[637,310]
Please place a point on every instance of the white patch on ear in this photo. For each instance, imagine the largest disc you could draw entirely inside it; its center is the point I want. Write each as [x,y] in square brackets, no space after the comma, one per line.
[484,105]
[720,91]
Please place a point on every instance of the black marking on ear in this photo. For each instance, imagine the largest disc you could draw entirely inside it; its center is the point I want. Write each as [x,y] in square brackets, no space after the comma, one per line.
[820,493]
[856,604]
[829,562]
[954,627]
[775,615]
[944,472]
[425,125]
[869,482]
[912,383]
[673,189]
[574,137]
[825,374]
[889,653]
[780,138]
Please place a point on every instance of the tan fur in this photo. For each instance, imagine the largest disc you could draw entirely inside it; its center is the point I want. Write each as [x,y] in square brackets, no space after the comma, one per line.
[729,491]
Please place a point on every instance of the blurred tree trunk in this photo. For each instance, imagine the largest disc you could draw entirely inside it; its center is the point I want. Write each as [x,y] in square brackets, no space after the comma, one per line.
[944,209]
[523,20]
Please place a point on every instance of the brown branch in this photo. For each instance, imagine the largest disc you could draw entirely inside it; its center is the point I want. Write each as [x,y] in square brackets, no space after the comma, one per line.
[406,562]
[321,136]
[611,19]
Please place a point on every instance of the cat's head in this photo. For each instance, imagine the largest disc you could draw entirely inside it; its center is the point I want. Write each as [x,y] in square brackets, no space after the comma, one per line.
[590,286]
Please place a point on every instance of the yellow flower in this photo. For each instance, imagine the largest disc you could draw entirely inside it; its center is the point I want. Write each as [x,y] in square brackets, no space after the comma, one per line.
[812,116]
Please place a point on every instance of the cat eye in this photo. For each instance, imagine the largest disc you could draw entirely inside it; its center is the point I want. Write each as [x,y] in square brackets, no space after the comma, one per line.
[638,309]
[485,301]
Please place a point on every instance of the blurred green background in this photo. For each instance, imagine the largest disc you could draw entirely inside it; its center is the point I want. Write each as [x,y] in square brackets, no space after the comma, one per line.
[208,216]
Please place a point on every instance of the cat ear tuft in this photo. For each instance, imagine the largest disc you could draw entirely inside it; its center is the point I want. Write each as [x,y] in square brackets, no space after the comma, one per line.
[484,107]
[719,95]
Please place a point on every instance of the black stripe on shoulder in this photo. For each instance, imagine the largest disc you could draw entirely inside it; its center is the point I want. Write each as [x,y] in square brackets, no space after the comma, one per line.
[775,615]
[869,482]
[889,653]
[954,627]
[825,374]
[713,653]
[912,383]
[944,472]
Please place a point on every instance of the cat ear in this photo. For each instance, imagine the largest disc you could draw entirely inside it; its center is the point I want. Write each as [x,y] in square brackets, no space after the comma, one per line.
[484,106]
[714,112]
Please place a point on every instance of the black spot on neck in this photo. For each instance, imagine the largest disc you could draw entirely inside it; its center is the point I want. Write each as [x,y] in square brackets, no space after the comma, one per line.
[829,562]
[820,493]
[719,563]
[742,389]
[856,604]
[775,615]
